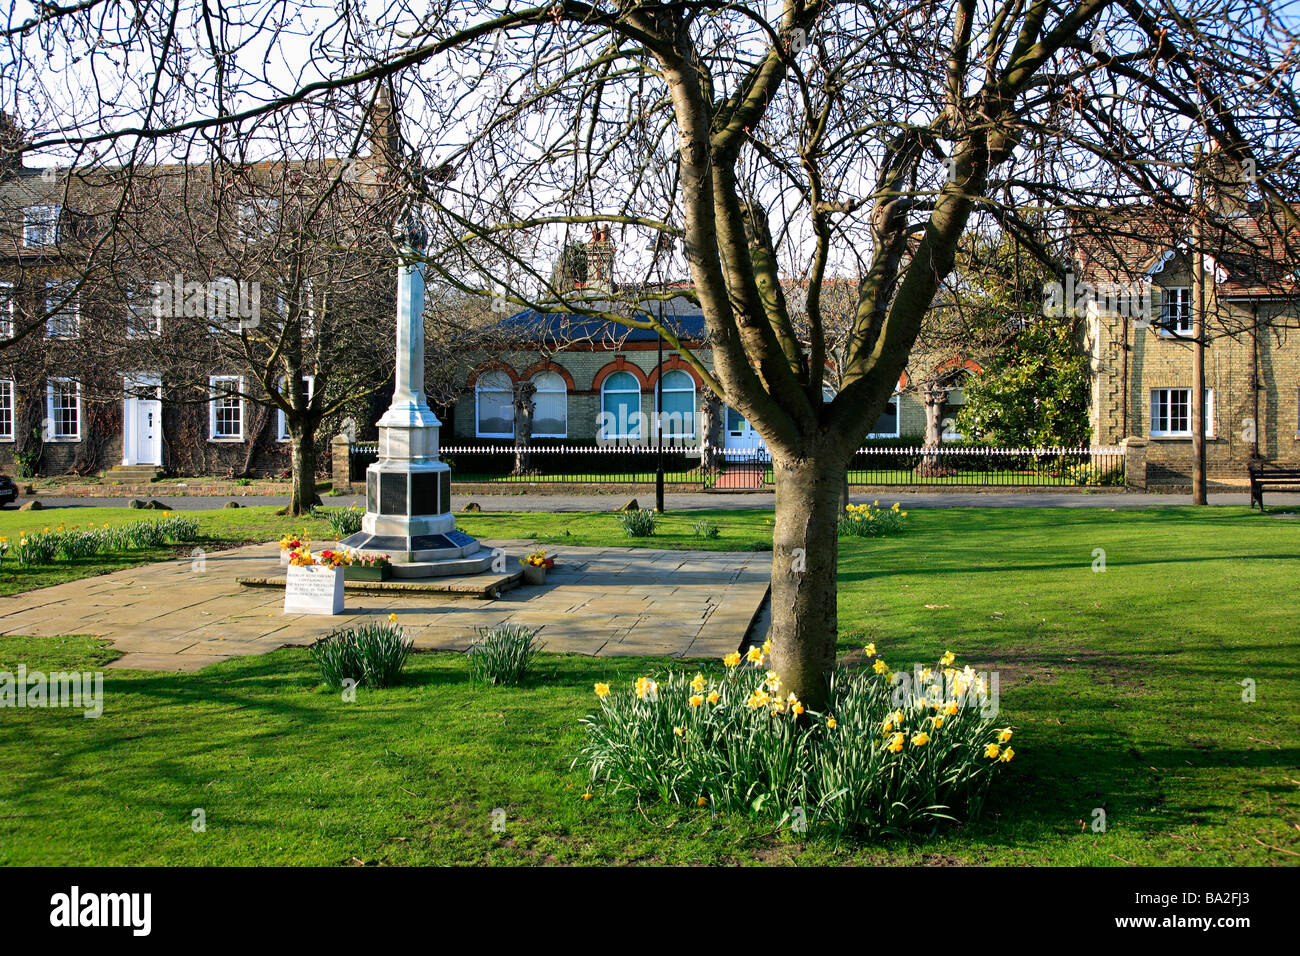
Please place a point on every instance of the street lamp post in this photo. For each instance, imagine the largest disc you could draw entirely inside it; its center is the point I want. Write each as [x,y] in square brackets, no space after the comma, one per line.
[659,427]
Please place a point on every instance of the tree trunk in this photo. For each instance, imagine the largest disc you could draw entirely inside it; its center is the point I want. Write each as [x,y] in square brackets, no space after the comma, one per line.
[805,561]
[932,396]
[302,440]
[525,406]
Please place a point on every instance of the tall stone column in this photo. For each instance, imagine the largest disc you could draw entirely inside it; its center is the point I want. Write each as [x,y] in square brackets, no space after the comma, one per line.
[408,490]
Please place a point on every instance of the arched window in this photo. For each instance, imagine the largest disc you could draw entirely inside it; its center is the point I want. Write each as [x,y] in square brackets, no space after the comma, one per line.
[678,404]
[620,406]
[550,406]
[494,407]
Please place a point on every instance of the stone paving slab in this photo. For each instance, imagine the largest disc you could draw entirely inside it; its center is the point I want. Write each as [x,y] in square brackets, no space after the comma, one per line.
[181,616]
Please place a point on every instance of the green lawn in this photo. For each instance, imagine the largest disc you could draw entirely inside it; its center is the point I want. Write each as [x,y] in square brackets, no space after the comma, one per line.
[1123,685]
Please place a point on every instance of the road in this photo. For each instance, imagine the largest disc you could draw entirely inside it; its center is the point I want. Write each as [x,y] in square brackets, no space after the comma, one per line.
[731,502]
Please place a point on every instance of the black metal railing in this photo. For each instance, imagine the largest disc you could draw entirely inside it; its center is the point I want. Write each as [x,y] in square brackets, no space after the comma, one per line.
[751,469]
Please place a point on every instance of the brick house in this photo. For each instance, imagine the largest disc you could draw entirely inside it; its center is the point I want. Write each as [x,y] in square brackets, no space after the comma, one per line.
[1142,359]
[85,384]
[590,378]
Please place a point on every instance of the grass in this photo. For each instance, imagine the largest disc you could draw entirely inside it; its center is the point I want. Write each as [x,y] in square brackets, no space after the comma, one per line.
[1123,686]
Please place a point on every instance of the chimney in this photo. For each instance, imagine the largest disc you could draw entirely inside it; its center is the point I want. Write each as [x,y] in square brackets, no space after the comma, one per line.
[600,261]
[385,132]
[11,146]
[1227,184]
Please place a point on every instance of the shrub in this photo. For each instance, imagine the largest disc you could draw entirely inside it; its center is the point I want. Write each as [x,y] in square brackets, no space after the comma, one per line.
[871,521]
[502,654]
[342,521]
[373,655]
[882,759]
[637,524]
[704,528]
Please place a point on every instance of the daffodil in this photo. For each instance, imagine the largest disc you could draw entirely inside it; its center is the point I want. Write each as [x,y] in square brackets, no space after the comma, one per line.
[646,689]
[947,659]
[680,731]
[879,666]
[1007,755]
[870,649]
[755,656]
[896,743]
[831,723]
[697,683]
[732,659]
[991,751]
[758,699]
[951,708]
[696,700]
[602,690]
[392,618]
[1004,736]
[921,739]
[714,697]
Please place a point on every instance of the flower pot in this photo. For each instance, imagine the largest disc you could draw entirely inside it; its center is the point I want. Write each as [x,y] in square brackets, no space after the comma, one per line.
[534,574]
[314,589]
[369,572]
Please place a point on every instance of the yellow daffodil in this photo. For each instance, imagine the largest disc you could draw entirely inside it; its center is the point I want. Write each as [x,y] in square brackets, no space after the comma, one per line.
[926,674]
[951,708]
[871,650]
[937,721]
[680,731]
[696,700]
[702,802]
[880,666]
[758,699]
[755,656]
[991,751]
[714,697]
[732,659]
[646,689]
[1007,755]
[830,723]
[896,743]
[921,739]
[602,690]
[1004,736]
[767,647]
[392,618]
[947,659]
[697,683]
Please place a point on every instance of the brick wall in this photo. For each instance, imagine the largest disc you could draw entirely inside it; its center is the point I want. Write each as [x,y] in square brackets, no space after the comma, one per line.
[1236,427]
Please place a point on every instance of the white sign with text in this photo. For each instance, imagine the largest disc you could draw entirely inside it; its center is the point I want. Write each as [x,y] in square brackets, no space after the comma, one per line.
[313,590]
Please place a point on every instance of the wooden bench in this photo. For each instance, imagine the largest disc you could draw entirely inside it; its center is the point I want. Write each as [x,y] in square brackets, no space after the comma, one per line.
[1270,476]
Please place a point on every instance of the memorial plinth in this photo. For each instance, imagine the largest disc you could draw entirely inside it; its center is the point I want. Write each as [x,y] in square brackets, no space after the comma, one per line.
[408,490]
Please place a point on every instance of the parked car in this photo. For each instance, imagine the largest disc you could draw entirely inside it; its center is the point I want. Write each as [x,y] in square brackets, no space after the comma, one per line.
[8,490]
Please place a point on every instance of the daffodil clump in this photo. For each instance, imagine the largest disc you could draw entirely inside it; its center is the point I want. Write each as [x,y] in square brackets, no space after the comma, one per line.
[872,521]
[72,543]
[886,756]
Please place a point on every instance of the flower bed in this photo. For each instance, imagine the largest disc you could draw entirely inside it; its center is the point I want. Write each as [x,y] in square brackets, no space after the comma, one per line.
[64,543]
[888,755]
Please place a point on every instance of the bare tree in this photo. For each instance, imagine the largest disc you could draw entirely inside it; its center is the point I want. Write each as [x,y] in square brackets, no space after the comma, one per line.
[795,138]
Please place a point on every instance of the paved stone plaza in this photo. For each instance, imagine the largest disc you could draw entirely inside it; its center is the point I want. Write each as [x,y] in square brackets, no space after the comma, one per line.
[182,615]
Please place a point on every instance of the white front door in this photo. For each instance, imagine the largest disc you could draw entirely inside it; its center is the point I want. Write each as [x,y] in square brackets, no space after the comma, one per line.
[738,434]
[142,420]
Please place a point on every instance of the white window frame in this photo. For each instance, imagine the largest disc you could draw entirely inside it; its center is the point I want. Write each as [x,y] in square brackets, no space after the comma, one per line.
[140,304]
[45,231]
[8,309]
[215,393]
[509,390]
[562,390]
[1209,413]
[282,420]
[9,403]
[640,415]
[1183,302]
[71,302]
[658,402]
[51,418]
[897,399]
